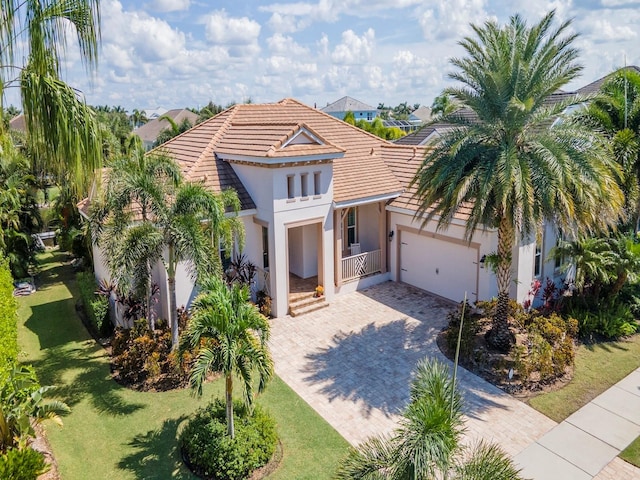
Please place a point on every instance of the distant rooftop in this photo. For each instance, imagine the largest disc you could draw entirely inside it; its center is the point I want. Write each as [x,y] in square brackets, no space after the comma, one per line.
[348,104]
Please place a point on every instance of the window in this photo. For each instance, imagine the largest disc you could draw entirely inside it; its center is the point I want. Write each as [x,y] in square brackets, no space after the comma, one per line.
[352,227]
[291,187]
[317,184]
[265,247]
[559,260]
[537,258]
[304,188]
[369,116]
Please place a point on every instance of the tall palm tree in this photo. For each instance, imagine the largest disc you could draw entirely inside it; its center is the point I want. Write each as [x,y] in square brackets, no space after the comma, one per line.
[427,444]
[149,208]
[62,129]
[616,111]
[508,168]
[230,336]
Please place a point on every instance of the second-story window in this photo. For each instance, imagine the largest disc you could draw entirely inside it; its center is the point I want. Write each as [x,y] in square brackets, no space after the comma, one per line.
[317,184]
[304,184]
[291,186]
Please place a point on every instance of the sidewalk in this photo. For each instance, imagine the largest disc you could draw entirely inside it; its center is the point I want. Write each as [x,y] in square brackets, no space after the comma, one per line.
[586,445]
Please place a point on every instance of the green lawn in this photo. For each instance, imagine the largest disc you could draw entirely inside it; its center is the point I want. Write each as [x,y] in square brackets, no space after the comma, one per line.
[632,453]
[598,367]
[113,432]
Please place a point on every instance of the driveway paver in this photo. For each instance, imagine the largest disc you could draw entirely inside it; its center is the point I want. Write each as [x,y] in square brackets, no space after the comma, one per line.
[352,362]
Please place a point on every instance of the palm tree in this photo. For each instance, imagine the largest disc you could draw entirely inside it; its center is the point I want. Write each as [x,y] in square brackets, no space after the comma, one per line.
[62,129]
[443,105]
[427,443]
[138,118]
[184,219]
[616,111]
[230,336]
[508,168]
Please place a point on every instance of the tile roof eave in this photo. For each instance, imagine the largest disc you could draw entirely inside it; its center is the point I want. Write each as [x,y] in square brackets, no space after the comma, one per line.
[365,200]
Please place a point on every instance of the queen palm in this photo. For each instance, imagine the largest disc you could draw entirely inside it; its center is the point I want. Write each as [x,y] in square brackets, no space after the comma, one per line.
[427,444]
[507,168]
[62,130]
[230,336]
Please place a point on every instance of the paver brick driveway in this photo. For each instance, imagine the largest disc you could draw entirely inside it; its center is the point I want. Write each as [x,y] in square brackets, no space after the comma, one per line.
[352,363]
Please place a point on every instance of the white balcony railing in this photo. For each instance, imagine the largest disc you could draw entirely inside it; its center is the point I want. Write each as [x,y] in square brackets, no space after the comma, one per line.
[361,265]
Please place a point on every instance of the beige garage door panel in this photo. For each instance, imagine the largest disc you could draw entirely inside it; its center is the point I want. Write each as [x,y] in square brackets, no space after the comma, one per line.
[445,268]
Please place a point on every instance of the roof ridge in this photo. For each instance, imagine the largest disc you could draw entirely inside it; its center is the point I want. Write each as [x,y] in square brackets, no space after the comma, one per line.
[215,137]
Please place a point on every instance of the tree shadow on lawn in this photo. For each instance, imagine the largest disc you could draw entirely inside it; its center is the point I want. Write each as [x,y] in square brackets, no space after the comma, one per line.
[72,361]
[375,366]
[156,454]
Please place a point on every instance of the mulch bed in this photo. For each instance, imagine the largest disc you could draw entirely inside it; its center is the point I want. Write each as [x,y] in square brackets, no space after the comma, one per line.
[494,366]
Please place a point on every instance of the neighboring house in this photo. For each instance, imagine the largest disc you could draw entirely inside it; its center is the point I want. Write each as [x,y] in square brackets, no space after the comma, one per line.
[420,116]
[18,123]
[361,111]
[149,132]
[325,203]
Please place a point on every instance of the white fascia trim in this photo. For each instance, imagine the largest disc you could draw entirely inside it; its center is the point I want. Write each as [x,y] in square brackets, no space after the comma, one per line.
[244,213]
[280,160]
[412,214]
[305,132]
[362,201]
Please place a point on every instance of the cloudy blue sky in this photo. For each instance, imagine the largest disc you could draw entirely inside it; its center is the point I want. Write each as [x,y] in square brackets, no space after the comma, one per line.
[177,53]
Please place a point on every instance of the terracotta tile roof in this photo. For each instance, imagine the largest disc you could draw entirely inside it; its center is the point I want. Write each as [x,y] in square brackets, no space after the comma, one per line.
[404,161]
[149,131]
[258,129]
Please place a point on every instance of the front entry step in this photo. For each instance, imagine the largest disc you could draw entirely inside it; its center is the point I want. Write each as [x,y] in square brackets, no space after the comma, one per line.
[305,303]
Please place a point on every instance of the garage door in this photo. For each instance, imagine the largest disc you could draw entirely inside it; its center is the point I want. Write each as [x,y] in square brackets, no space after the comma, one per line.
[445,268]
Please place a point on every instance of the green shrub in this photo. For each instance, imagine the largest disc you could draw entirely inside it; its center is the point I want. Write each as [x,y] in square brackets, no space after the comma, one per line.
[8,315]
[144,358]
[22,464]
[212,454]
[549,349]
[95,306]
[608,320]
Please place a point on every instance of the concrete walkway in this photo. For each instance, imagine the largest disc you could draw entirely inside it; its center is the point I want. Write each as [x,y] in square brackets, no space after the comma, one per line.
[352,363]
[585,444]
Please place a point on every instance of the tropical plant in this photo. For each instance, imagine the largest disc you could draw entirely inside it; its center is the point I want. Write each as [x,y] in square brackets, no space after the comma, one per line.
[23,403]
[443,105]
[616,111]
[600,265]
[62,129]
[19,213]
[427,444]
[507,168]
[148,208]
[173,130]
[228,334]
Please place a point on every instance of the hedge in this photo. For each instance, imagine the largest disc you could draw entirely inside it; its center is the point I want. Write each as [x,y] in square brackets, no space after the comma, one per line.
[8,315]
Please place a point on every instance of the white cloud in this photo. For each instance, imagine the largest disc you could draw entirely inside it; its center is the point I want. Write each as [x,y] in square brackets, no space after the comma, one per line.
[354,49]
[138,35]
[280,23]
[222,29]
[170,5]
[450,18]
[285,45]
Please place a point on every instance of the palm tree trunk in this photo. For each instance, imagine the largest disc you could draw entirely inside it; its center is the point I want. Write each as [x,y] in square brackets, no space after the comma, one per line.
[500,337]
[173,314]
[229,400]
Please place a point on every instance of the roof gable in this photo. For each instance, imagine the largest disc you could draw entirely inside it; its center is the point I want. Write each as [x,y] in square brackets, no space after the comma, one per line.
[348,104]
